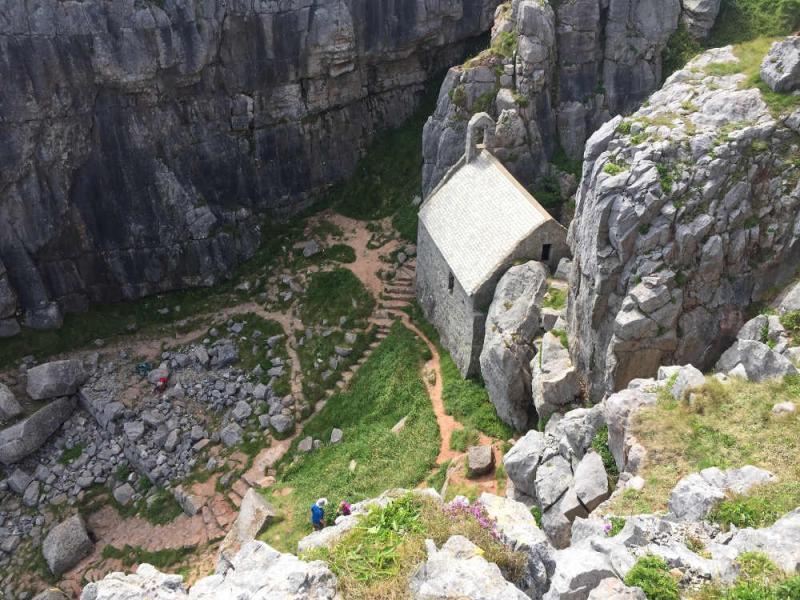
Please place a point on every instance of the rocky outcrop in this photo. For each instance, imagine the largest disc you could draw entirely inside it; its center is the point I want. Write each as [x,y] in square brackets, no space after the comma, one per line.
[143,141]
[511,326]
[25,437]
[781,68]
[699,16]
[697,494]
[554,381]
[66,544]
[459,570]
[9,407]
[254,512]
[257,571]
[556,471]
[685,215]
[57,378]
[554,73]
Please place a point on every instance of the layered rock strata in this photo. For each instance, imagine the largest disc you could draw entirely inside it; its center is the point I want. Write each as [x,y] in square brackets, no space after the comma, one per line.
[144,141]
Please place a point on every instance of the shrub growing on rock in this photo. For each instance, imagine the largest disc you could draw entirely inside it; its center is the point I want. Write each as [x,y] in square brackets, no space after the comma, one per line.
[652,575]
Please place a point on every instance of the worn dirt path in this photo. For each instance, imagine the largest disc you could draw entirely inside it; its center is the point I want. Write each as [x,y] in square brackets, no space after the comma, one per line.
[217,513]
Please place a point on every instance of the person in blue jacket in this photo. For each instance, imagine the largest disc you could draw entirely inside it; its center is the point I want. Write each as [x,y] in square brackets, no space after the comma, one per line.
[318,513]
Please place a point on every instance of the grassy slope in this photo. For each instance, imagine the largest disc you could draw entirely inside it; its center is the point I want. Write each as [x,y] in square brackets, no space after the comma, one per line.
[725,426]
[465,399]
[739,21]
[387,388]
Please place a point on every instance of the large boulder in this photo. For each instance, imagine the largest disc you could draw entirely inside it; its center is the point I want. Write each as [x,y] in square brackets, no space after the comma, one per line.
[480,460]
[511,325]
[696,495]
[618,410]
[579,570]
[53,379]
[522,461]
[25,437]
[591,481]
[254,512]
[9,407]
[66,545]
[754,361]
[459,570]
[781,67]
[518,529]
[257,571]
[555,383]
[699,16]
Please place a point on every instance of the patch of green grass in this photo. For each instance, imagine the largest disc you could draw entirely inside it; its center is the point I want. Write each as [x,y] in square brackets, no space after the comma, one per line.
[387,388]
[652,575]
[437,479]
[537,515]
[667,178]
[742,20]
[613,168]
[466,400]
[325,229]
[562,337]
[548,193]
[617,525]
[724,425]
[340,253]
[555,298]
[759,579]
[376,559]
[761,507]
[505,44]
[161,559]
[161,508]
[600,445]
[461,439]
[71,454]
[333,294]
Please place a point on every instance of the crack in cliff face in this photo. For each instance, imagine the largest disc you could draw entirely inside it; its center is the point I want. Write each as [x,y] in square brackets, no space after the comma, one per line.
[192,105]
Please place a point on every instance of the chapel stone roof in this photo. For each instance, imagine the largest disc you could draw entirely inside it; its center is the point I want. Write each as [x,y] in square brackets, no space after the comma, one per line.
[477,216]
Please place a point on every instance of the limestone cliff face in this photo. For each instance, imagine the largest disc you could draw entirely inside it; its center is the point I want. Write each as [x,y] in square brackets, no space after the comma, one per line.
[142,138]
[687,213]
[556,71]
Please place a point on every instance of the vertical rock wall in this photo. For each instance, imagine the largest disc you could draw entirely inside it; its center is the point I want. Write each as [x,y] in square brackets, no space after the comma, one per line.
[556,71]
[142,139]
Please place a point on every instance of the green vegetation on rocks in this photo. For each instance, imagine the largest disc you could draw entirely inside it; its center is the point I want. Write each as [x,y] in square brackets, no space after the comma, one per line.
[759,579]
[386,389]
[652,575]
[726,426]
[377,558]
[331,295]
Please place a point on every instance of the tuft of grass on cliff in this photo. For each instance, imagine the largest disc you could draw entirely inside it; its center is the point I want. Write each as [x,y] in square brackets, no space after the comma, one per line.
[386,389]
[725,426]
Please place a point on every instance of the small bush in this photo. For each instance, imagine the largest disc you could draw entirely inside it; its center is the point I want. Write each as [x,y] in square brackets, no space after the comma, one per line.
[791,321]
[505,44]
[537,515]
[436,480]
[652,575]
[617,525]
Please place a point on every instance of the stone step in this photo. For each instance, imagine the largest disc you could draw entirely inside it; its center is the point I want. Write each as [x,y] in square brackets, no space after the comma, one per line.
[405,292]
